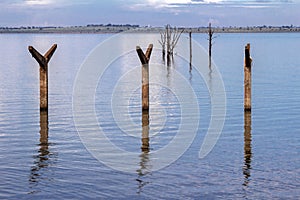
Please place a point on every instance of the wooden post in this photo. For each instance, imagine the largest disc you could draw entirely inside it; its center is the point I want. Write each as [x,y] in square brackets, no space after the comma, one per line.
[145,75]
[190,37]
[247,79]
[43,62]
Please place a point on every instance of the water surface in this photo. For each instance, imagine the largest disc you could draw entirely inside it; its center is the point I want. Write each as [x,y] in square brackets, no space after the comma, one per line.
[256,156]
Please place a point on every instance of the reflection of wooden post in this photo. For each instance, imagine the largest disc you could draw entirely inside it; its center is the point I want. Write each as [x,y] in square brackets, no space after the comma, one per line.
[190,37]
[145,167]
[43,62]
[42,159]
[43,128]
[145,132]
[247,147]
[247,79]
[145,75]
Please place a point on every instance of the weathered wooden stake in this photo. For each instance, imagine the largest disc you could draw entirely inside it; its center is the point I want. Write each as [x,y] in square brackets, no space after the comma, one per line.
[145,75]
[43,62]
[247,79]
[190,37]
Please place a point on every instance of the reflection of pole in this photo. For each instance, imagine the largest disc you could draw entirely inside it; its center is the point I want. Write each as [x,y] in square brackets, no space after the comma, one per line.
[42,158]
[44,135]
[247,147]
[145,75]
[44,128]
[190,37]
[145,146]
[247,79]
[145,132]
[43,62]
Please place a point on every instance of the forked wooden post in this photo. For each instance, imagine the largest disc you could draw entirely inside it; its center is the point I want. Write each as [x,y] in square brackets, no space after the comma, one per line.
[247,79]
[145,75]
[43,62]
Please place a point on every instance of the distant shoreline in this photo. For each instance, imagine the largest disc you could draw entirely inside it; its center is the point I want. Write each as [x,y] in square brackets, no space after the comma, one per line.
[104,29]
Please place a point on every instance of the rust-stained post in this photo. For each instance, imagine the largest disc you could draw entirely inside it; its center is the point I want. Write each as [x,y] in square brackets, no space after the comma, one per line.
[190,37]
[145,75]
[43,62]
[247,79]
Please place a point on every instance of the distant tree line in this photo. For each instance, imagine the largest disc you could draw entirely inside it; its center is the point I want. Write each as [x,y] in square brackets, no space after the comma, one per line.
[113,25]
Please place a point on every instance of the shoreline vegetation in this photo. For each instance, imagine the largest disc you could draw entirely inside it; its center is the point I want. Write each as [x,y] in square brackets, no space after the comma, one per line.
[112,28]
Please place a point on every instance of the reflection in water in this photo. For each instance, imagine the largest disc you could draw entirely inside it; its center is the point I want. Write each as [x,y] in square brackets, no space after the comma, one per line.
[44,129]
[191,76]
[168,60]
[42,159]
[145,145]
[247,148]
[145,168]
[145,132]
[210,85]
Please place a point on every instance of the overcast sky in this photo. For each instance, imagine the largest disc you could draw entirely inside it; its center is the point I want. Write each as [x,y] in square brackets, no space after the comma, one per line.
[149,12]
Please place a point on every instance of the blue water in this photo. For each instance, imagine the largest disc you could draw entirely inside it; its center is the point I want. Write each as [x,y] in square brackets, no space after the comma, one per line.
[265,166]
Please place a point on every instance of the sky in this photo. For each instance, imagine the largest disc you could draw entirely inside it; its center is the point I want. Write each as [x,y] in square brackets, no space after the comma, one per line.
[188,13]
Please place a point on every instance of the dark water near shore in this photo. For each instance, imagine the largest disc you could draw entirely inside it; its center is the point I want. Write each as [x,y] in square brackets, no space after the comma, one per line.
[255,157]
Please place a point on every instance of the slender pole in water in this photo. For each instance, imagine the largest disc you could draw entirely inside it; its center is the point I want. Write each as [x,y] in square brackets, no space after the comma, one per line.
[43,62]
[247,79]
[168,30]
[210,38]
[145,75]
[190,37]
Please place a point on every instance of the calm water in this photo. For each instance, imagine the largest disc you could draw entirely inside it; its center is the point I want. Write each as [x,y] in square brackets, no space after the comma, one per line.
[255,157]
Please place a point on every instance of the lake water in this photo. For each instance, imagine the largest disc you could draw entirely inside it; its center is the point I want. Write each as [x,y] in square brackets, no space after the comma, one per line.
[255,157]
